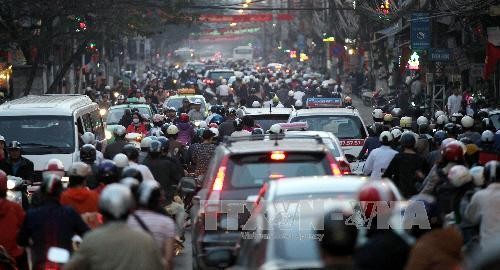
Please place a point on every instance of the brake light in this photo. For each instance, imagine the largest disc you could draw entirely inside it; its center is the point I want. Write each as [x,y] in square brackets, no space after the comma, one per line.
[344,167]
[212,204]
[278,155]
[219,179]
[333,165]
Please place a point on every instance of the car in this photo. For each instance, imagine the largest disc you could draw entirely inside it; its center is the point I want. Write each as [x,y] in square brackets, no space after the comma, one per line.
[266,117]
[213,77]
[238,169]
[345,123]
[281,231]
[176,100]
[115,114]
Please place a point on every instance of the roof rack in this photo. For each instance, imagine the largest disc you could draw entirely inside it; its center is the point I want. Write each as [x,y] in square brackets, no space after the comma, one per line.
[276,137]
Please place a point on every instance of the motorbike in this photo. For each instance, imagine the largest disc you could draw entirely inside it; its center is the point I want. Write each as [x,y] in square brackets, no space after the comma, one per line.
[17,191]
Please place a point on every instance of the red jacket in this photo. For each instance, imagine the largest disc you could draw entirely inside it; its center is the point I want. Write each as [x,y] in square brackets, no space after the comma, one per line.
[11,218]
[82,199]
[141,128]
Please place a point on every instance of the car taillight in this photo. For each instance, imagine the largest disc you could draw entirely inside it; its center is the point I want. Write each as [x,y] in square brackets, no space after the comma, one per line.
[333,165]
[345,168]
[219,179]
[278,155]
[212,204]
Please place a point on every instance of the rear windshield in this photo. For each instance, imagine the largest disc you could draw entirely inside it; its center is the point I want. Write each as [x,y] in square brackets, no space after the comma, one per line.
[265,121]
[342,126]
[115,115]
[177,102]
[251,171]
[215,75]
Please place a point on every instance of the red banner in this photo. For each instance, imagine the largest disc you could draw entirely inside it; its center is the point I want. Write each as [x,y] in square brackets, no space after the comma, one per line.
[213,18]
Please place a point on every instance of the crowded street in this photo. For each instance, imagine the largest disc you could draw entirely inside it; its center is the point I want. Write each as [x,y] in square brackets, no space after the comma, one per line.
[250,134]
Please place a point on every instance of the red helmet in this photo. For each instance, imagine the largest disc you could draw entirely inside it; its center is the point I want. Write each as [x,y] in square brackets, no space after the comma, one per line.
[374,192]
[184,117]
[54,166]
[3,181]
[452,152]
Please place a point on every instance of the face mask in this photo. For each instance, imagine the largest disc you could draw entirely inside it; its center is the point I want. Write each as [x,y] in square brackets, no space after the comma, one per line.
[136,121]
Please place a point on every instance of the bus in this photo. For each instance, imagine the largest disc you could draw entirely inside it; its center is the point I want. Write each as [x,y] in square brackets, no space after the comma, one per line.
[184,55]
[243,53]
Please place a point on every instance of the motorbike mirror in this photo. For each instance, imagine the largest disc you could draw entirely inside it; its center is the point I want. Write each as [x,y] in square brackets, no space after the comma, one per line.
[350,158]
[187,183]
[58,255]
[220,258]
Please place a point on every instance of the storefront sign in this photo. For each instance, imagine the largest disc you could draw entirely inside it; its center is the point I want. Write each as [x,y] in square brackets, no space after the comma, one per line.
[440,55]
[420,31]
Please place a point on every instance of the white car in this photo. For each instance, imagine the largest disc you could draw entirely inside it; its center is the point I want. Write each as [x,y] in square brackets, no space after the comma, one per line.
[345,123]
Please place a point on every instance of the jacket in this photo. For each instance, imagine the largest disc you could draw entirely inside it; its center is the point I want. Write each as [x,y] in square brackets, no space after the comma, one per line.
[370,144]
[439,249]
[118,247]
[24,168]
[82,199]
[114,148]
[141,128]
[378,161]
[164,172]
[186,133]
[11,218]
[226,128]
[407,170]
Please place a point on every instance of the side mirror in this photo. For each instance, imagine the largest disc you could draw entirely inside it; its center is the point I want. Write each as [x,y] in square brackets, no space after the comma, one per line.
[187,185]
[220,258]
[350,158]
[58,255]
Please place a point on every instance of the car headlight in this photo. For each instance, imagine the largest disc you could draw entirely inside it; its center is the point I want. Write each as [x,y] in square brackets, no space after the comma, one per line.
[11,184]
[108,134]
[102,112]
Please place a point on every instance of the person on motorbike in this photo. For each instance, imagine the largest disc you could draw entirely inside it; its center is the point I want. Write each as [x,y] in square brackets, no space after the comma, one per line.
[452,130]
[435,153]
[116,147]
[170,116]
[468,126]
[17,165]
[89,138]
[145,143]
[107,173]
[388,120]
[126,119]
[51,224]
[226,128]
[203,153]
[158,121]
[378,160]
[133,156]
[11,218]
[424,141]
[145,218]
[195,114]
[115,245]
[238,127]
[372,142]
[378,116]
[176,149]
[185,130]
[407,169]
[137,125]
[441,121]
[396,134]
[163,170]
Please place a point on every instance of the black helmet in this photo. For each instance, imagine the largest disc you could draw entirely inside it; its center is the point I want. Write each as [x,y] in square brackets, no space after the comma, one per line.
[339,239]
[451,129]
[466,140]
[155,147]
[107,172]
[407,140]
[492,171]
[132,172]
[439,136]
[15,145]
[88,153]
[131,151]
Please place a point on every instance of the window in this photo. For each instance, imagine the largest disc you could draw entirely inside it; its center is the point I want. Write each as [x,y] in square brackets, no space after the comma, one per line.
[342,126]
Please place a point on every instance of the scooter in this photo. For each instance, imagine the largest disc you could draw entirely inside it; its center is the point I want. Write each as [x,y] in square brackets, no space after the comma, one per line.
[17,191]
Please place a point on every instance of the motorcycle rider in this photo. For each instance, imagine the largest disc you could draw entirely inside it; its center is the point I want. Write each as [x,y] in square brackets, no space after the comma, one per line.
[88,156]
[372,142]
[145,144]
[424,141]
[115,245]
[126,119]
[137,125]
[378,160]
[238,127]
[378,116]
[468,126]
[185,130]
[133,155]
[435,154]
[107,173]
[116,147]
[3,151]
[226,128]
[89,138]
[145,218]
[50,224]
[158,121]
[16,164]
[186,106]
[195,114]
[163,170]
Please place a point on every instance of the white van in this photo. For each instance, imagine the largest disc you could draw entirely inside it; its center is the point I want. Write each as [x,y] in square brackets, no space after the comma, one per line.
[50,126]
[243,53]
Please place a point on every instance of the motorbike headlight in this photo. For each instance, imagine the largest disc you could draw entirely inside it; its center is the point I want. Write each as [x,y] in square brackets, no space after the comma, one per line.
[108,134]
[11,184]
[116,94]
[175,81]
[102,112]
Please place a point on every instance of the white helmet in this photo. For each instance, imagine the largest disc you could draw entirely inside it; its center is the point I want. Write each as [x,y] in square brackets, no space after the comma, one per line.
[240,113]
[146,142]
[172,130]
[215,131]
[438,113]
[107,87]
[386,137]
[445,142]
[121,160]
[378,114]
[288,81]
[304,83]
[396,133]
[405,122]
[116,200]
[2,138]
[79,169]
[298,103]
[487,136]
[467,121]
[442,120]
[88,138]
[54,166]
[275,129]
[157,118]
[120,131]
[203,124]
[422,120]
[290,93]
[256,104]
[459,175]
[477,175]
[280,105]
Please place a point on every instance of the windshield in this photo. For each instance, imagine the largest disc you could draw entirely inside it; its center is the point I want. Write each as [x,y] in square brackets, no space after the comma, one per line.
[177,102]
[115,115]
[332,146]
[495,119]
[252,171]
[40,134]
[218,74]
[344,127]
[266,121]
[298,245]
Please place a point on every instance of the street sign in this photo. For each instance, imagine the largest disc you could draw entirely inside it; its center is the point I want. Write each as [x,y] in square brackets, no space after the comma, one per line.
[420,31]
[440,55]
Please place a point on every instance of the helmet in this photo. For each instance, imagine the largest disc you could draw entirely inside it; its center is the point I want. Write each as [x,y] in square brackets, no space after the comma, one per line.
[2,138]
[51,185]
[79,169]
[155,147]
[491,171]
[377,128]
[396,112]
[438,113]
[88,138]
[442,120]
[164,143]
[203,125]
[453,151]
[54,166]
[116,201]
[487,136]
[215,131]
[298,103]
[3,181]
[216,119]
[145,143]
[339,239]
[396,132]
[107,87]
[131,183]
[238,124]
[407,140]
[121,160]
[132,172]
[88,153]
[477,173]
[275,129]
[439,136]
[14,145]
[119,131]
[445,142]
[256,104]
[467,122]
[240,113]
[149,194]
[275,99]
[373,192]
[257,131]
[456,118]
[451,129]
[385,137]
[131,152]
[184,117]
[157,118]
[405,122]
[107,172]
[422,120]
[388,118]
[172,130]
[459,175]
[213,125]
[378,115]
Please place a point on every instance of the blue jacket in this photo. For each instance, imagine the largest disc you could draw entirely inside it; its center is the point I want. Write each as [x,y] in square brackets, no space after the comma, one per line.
[370,144]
